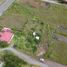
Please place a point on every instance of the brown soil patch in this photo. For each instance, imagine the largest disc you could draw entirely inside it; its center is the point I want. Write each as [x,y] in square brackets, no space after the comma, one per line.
[33,3]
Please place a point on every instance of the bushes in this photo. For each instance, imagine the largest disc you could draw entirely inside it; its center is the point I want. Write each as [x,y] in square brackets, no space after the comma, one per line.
[12,61]
[25,41]
[3,44]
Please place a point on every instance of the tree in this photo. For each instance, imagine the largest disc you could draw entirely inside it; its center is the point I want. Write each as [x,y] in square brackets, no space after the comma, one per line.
[61,1]
[3,44]
[12,61]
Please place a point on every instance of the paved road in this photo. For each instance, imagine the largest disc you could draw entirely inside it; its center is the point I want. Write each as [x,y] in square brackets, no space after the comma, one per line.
[27,58]
[5,6]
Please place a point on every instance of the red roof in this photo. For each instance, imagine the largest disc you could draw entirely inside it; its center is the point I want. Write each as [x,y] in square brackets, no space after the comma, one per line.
[6,35]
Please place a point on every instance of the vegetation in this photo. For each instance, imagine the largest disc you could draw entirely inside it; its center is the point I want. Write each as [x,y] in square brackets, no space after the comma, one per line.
[13,61]
[3,44]
[25,19]
[62,1]
[58,52]
[10,60]
[26,41]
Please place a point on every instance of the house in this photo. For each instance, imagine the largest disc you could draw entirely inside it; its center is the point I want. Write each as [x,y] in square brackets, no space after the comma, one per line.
[6,35]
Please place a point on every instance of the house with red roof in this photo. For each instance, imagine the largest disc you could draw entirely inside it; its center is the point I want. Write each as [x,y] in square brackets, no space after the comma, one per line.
[6,35]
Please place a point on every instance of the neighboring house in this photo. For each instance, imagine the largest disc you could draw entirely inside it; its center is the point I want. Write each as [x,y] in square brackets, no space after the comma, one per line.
[6,35]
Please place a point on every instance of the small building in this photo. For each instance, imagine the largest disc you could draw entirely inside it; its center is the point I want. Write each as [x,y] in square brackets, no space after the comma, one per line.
[6,35]
[37,37]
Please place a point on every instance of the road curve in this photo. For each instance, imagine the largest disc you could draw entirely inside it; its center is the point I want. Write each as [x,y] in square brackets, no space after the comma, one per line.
[30,60]
[5,6]
[27,58]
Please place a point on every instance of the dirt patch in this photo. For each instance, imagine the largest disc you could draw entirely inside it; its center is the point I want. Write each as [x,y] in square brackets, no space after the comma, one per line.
[33,3]
[12,21]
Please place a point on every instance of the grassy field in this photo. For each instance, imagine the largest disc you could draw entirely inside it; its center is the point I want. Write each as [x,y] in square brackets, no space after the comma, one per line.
[55,15]
[25,19]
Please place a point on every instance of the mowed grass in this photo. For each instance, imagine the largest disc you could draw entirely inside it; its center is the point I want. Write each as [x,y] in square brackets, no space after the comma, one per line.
[19,16]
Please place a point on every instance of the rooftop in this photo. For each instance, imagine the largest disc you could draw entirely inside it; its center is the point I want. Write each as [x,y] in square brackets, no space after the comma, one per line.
[6,35]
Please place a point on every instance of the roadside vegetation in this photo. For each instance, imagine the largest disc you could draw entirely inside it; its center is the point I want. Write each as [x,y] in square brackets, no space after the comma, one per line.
[10,60]
[24,19]
[3,44]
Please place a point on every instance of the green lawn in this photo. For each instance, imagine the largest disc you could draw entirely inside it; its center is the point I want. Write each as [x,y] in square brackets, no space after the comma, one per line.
[25,19]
